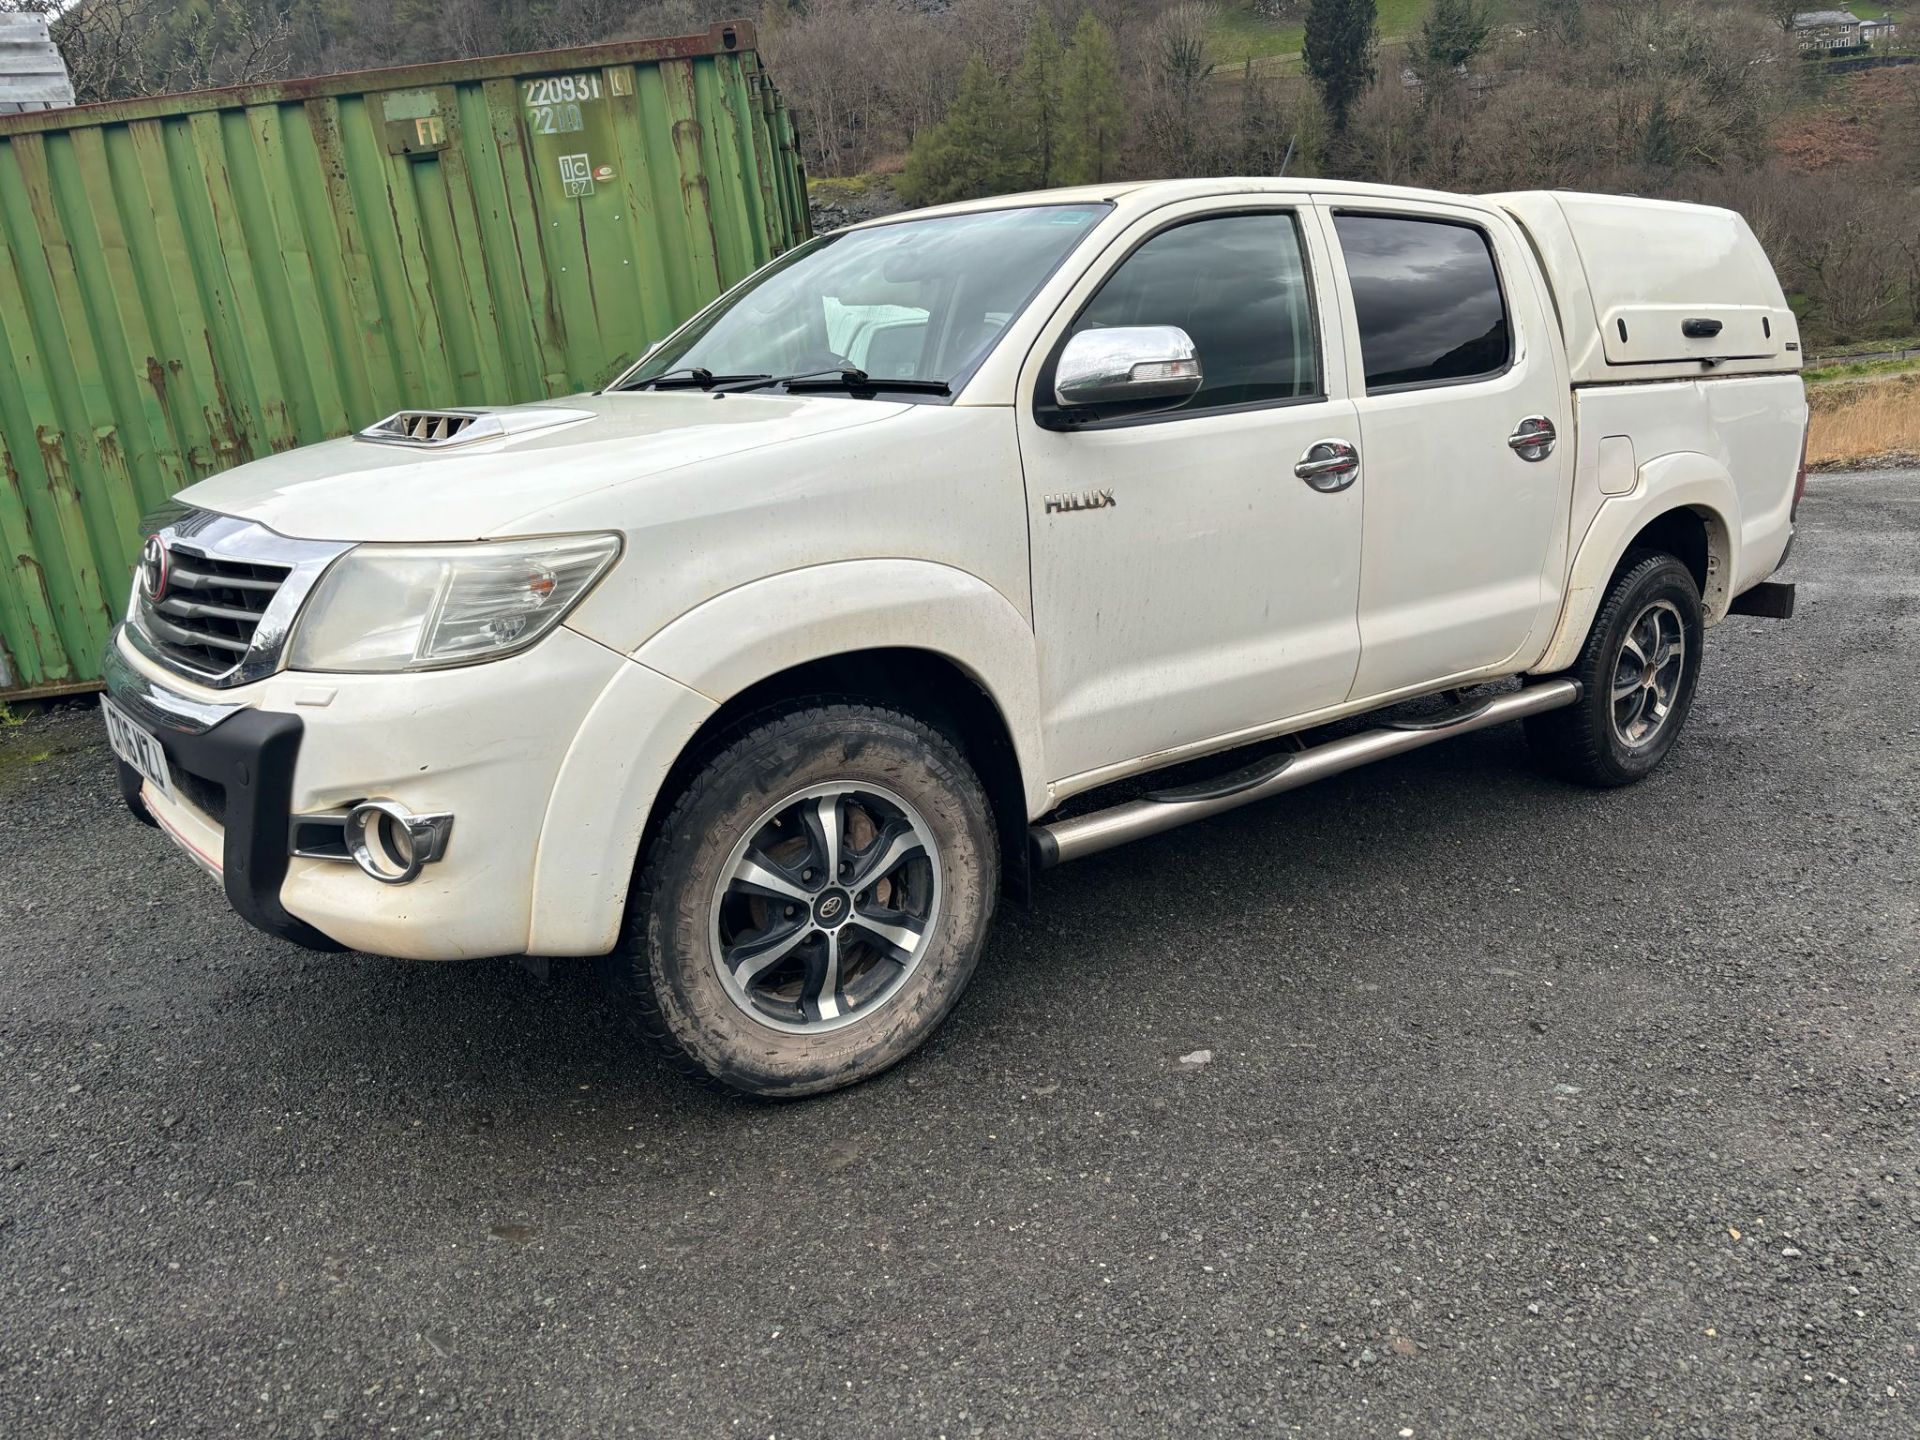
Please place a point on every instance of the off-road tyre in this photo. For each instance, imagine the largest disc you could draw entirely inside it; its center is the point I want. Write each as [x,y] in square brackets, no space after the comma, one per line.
[666,969]
[1586,742]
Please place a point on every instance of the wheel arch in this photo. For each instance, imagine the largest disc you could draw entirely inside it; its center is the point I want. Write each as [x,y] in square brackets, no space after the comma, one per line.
[762,636]
[1683,505]
[930,686]
[925,638]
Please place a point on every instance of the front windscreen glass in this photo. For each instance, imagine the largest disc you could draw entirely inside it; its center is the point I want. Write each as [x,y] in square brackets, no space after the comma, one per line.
[917,300]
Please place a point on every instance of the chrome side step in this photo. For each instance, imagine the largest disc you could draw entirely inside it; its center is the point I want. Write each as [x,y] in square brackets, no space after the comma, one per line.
[1065,840]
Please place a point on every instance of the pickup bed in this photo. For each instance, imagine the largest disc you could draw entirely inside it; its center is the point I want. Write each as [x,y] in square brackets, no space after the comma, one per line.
[764,670]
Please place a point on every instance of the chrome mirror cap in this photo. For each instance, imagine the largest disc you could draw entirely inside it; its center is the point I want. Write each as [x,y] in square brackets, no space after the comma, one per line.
[1125,364]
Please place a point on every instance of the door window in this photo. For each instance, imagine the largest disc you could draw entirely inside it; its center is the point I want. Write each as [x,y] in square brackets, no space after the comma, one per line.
[1427,297]
[1237,285]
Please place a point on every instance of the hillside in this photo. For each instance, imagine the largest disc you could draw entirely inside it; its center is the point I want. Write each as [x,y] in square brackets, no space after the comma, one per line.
[1242,33]
[1851,122]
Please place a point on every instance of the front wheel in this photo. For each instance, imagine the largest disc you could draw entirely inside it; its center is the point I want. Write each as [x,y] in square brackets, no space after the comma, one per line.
[814,904]
[1638,671]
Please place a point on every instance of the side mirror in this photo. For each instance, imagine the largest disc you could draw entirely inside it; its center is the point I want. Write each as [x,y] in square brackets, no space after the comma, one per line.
[1126,364]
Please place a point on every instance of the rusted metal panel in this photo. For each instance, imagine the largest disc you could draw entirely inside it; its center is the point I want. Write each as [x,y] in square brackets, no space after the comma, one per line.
[190,281]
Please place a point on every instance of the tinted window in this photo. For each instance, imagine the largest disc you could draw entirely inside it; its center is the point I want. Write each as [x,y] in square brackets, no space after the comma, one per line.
[1427,297]
[1237,285]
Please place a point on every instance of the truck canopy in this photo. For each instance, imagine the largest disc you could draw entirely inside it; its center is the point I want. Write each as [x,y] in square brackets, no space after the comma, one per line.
[1655,290]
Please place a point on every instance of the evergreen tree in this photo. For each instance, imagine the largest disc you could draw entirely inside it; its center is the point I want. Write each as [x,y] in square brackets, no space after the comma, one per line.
[966,154]
[1453,33]
[1093,112]
[1338,56]
[1036,104]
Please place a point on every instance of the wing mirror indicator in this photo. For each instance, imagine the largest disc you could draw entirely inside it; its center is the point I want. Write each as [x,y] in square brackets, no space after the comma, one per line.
[1126,365]
[1148,371]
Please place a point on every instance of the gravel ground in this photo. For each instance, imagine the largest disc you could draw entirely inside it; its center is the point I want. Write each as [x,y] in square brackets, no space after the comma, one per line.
[1529,1112]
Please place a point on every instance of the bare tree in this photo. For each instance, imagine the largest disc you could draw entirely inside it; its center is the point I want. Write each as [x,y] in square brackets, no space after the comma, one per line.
[835,103]
[1386,137]
[1175,125]
[1853,275]
[995,30]
[119,48]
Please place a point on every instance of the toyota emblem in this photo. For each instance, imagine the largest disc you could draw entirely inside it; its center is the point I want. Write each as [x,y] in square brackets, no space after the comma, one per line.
[154,569]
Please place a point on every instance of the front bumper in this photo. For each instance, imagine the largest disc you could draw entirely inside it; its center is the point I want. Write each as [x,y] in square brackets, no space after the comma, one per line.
[239,764]
[486,743]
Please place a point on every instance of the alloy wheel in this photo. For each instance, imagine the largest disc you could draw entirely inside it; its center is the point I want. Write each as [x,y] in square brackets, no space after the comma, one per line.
[826,907]
[1647,674]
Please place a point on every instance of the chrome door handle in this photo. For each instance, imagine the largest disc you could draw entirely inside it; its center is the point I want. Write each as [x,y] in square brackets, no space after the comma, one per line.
[1533,438]
[1329,465]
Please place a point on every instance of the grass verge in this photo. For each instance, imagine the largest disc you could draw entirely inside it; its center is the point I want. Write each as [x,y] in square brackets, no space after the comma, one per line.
[840,189]
[1860,370]
[1858,347]
[1859,424]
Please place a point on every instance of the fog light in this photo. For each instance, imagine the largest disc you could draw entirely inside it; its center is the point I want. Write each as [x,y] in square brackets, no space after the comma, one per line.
[391,843]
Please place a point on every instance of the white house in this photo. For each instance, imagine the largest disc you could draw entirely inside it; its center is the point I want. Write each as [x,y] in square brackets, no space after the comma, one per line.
[1827,30]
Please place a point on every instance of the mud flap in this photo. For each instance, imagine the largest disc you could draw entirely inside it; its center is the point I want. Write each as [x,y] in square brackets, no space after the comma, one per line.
[1770,600]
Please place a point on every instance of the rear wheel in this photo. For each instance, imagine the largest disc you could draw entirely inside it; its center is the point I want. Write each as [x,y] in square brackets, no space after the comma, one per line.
[1638,671]
[814,904]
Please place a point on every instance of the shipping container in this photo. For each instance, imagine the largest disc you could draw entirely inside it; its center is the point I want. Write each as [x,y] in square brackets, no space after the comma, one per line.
[190,281]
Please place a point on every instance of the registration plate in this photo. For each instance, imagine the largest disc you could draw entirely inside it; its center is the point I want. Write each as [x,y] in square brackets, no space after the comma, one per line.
[137,747]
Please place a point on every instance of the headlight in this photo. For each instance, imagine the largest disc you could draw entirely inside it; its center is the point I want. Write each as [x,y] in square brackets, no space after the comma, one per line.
[420,607]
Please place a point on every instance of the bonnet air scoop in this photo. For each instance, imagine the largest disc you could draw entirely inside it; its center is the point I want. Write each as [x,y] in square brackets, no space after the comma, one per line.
[445,429]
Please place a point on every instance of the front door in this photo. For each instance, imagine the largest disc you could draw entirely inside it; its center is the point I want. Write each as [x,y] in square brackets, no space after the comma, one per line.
[1456,364]
[1187,584]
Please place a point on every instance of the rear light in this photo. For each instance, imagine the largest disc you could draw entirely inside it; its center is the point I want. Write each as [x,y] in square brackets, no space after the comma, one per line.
[1800,477]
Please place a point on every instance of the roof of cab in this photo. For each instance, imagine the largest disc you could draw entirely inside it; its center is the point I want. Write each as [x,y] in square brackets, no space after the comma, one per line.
[1141,195]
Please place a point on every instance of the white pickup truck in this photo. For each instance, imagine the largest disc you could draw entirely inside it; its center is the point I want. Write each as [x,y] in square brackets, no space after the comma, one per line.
[763,670]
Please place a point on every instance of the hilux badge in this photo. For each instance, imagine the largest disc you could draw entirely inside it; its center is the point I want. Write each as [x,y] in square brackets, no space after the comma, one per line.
[1085,500]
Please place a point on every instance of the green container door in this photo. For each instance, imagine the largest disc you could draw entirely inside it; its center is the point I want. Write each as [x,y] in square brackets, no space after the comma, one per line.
[191,281]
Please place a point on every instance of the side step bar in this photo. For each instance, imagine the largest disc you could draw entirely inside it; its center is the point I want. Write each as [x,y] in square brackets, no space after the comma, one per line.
[1065,840]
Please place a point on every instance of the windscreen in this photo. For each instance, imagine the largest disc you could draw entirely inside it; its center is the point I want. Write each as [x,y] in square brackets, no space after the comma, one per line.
[920,300]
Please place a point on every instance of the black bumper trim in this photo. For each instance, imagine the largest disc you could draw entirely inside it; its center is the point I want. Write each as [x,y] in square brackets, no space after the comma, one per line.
[250,754]
[130,782]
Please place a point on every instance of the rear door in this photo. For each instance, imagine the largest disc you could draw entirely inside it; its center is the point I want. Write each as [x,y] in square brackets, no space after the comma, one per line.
[1463,408]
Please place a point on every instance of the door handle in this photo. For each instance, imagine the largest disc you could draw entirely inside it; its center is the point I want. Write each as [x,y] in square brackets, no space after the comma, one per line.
[1329,465]
[1533,438]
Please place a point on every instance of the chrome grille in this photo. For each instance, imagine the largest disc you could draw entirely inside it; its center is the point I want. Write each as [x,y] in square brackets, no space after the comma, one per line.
[206,617]
[217,595]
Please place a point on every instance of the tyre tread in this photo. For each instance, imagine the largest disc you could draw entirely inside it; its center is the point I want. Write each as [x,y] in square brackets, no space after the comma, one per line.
[1567,741]
[627,971]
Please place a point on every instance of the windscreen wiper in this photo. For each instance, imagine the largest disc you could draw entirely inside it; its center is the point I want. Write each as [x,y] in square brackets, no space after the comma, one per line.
[690,377]
[843,377]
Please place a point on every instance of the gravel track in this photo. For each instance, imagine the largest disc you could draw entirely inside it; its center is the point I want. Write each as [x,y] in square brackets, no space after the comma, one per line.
[1530,1111]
